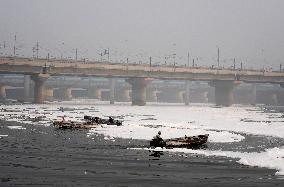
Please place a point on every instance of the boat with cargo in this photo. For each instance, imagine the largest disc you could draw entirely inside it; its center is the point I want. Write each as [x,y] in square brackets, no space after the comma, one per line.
[181,142]
[87,123]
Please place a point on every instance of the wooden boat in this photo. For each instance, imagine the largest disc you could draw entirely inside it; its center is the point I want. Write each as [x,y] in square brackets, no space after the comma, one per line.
[182,142]
[89,122]
[109,121]
[74,125]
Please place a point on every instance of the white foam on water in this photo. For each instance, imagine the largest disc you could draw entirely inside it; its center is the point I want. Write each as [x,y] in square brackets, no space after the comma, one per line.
[271,158]
[143,122]
[130,131]
[16,127]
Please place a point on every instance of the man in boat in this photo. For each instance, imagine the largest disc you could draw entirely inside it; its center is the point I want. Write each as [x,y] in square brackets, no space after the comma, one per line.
[118,123]
[110,119]
[97,119]
[158,137]
[157,141]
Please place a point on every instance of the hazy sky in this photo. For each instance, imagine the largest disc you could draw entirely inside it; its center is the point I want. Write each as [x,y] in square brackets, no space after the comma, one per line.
[251,31]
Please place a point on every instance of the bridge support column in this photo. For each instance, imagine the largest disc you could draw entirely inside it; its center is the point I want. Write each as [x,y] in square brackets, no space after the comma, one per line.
[49,93]
[91,92]
[39,80]
[268,97]
[138,90]
[280,96]
[151,95]
[171,96]
[3,92]
[94,93]
[186,94]
[198,96]
[205,96]
[27,87]
[211,95]
[224,95]
[180,96]
[98,94]
[274,99]
[65,94]
[252,99]
[111,90]
[123,95]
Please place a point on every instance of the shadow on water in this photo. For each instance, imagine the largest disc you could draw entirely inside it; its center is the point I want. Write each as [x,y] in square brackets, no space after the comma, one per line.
[155,154]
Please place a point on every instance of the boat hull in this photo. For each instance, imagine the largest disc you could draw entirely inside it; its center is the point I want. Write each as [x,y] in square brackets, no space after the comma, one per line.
[74,125]
[182,142]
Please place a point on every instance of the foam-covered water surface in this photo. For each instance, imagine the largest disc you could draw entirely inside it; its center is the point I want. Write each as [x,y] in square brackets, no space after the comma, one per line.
[250,135]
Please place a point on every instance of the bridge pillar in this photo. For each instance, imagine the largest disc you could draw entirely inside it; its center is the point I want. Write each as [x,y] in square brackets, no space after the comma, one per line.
[112,82]
[98,94]
[2,92]
[94,93]
[280,96]
[171,96]
[123,95]
[151,95]
[199,96]
[224,95]
[274,99]
[180,96]
[91,92]
[49,93]
[65,94]
[267,97]
[186,94]
[27,87]
[252,98]
[205,96]
[211,95]
[138,90]
[39,80]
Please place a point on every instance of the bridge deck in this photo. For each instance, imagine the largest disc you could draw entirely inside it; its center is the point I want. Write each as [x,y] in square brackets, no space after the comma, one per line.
[73,68]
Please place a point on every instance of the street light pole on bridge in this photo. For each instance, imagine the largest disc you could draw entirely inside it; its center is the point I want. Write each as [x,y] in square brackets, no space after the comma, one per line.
[15,41]
[218,57]
[188,59]
[37,49]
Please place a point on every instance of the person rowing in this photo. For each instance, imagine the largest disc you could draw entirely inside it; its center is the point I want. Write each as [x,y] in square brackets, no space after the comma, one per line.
[158,137]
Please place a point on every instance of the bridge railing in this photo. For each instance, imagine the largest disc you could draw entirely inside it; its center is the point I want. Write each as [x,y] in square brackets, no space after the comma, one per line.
[131,66]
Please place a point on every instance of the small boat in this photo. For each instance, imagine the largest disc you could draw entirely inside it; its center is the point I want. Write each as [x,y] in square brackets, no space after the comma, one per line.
[182,142]
[109,121]
[89,122]
[74,125]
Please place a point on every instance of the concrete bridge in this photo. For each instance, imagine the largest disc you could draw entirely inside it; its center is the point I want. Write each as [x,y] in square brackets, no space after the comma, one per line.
[138,76]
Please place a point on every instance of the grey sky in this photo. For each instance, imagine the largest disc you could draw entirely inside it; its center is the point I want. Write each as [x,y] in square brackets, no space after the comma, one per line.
[248,30]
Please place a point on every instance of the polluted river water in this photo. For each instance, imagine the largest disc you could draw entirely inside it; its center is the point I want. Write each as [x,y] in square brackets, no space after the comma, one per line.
[249,139]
